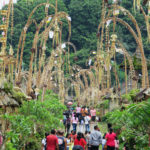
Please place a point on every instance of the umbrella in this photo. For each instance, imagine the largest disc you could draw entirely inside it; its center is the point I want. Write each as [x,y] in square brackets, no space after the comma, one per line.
[69,103]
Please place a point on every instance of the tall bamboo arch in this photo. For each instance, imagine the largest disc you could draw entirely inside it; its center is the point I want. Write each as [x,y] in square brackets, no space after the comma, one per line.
[23,37]
[138,40]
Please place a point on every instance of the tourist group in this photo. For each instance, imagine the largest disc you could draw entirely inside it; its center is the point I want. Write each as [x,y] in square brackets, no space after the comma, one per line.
[86,136]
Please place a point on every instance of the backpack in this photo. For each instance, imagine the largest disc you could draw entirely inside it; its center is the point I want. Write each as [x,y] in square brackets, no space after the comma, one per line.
[61,143]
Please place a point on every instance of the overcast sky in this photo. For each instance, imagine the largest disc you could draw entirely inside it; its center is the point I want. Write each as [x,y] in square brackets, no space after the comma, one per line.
[6,2]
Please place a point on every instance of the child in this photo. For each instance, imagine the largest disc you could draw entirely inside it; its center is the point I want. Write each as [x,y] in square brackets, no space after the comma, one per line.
[116,144]
[87,137]
[104,147]
[69,141]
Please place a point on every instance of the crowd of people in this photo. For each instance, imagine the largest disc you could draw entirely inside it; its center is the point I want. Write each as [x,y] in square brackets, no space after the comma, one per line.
[88,141]
[81,116]
[84,139]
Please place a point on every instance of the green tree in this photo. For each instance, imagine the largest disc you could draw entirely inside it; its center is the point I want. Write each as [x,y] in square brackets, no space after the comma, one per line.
[132,124]
[33,120]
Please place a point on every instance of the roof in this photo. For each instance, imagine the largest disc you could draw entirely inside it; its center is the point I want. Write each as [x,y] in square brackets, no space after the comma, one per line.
[142,94]
[7,100]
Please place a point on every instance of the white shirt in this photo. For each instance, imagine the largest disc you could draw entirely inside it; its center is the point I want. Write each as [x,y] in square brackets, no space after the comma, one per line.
[87,119]
[44,142]
[68,142]
[78,109]
[103,141]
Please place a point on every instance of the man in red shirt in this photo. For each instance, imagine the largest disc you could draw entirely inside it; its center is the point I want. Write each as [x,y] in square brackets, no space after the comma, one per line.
[52,141]
[73,135]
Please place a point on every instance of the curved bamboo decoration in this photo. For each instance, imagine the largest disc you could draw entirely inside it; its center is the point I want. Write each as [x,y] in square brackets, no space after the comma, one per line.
[139,42]
[132,70]
[23,37]
[48,68]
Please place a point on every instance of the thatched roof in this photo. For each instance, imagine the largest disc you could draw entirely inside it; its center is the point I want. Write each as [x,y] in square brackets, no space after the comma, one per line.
[144,94]
[7,100]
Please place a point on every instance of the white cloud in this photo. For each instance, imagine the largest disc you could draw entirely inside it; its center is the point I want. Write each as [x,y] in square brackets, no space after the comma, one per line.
[2,2]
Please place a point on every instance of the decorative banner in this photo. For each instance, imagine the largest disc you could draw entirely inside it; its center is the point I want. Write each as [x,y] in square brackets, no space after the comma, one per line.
[49,19]
[106,68]
[119,50]
[3,19]
[90,62]
[51,34]
[94,52]
[114,1]
[108,23]
[55,62]
[3,33]
[116,12]
[112,61]
[56,55]
[63,45]
[69,18]
[47,5]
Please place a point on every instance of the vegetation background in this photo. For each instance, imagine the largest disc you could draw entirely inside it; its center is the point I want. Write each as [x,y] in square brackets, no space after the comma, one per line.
[86,16]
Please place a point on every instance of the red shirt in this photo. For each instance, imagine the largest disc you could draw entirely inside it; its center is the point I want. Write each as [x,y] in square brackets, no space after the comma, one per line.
[110,139]
[82,142]
[52,140]
[73,136]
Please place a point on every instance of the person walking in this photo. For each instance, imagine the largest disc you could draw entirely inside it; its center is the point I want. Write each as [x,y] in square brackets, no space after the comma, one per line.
[83,112]
[110,138]
[69,141]
[68,124]
[87,138]
[104,146]
[44,143]
[74,122]
[93,114]
[95,138]
[52,141]
[73,135]
[78,110]
[80,141]
[81,123]
[87,123]
[62,141]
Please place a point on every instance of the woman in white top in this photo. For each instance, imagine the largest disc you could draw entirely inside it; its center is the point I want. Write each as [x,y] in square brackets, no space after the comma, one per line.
[69,141]
[78,111]
[87,123]
[74,122]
